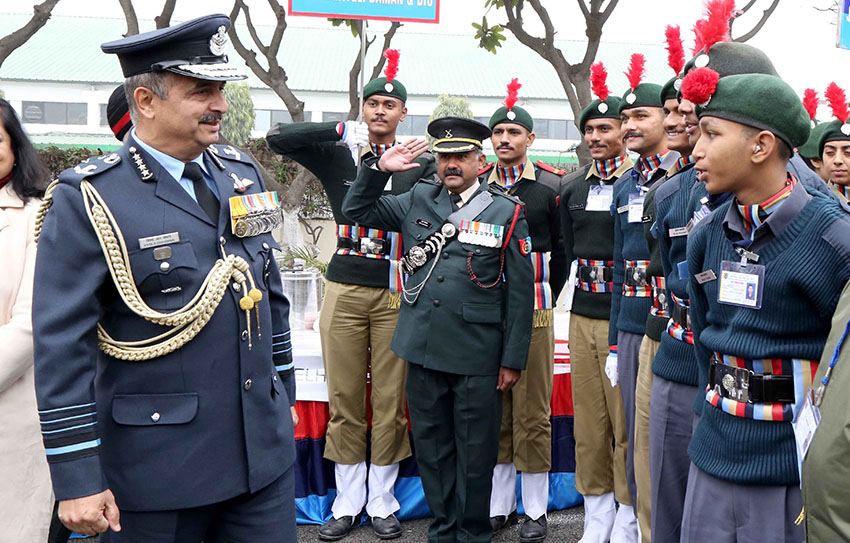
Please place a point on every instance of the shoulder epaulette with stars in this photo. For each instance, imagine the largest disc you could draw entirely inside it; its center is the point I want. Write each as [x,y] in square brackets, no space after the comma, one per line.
[549,168]
[89,168]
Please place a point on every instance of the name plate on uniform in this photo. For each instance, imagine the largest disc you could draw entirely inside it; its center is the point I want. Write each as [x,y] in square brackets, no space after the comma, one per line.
[599,198]
[480,233]
[635,208]
[255,214]
[156,241]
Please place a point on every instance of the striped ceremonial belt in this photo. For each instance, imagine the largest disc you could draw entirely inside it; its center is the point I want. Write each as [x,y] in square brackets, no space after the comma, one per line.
[734,380]
[678,326]
[599,267]
[659,298]
[357,233]
[634,283]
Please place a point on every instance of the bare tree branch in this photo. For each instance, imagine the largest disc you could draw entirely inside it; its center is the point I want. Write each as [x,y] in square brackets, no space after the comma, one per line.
[163,20]
[41,13]
[354,74]
[764,17]
[130,17]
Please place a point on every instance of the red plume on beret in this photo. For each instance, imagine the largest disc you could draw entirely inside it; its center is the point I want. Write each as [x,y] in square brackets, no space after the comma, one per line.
[810,102]
[675,51]
[714,27]
[837,100]
[598,81]
[391,69]
[699,85]
[513,94]
[637,68]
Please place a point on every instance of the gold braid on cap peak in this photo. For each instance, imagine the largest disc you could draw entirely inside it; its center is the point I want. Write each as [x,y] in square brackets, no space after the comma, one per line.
[185,322]
[463,140]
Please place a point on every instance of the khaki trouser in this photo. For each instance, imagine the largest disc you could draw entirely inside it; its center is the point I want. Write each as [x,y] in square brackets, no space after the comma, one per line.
[357,321]
[599,419]
[643,391]
[526,433]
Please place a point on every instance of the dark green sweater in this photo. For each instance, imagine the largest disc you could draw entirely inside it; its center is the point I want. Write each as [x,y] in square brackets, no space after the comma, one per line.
[588,235]
[317,147]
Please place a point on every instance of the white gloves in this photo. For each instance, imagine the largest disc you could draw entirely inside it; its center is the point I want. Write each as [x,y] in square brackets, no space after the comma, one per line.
[356,136]
[611,369]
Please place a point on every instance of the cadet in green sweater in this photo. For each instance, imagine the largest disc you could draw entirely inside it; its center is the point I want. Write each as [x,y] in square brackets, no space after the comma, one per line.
[765,273]
[526,434]
[360,309]
[465,322]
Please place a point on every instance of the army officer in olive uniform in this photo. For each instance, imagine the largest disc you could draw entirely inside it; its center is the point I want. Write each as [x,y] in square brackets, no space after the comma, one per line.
[465,320]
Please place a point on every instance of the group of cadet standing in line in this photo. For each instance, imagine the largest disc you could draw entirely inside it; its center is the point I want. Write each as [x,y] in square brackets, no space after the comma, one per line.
[707,273]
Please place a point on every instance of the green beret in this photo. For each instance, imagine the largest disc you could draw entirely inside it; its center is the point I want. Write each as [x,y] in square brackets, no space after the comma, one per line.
[761,101]
[380,87]
[516,115]
[645,95]
[732,58]
[810,148]
[833,131]
[609,109]
[670,90]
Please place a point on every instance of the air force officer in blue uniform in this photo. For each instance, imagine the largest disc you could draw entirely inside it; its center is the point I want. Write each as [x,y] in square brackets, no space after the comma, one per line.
[163,364]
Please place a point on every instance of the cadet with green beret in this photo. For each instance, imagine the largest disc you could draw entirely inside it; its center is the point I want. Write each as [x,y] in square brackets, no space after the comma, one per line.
[588,228]
[360,307]
[643,123]
[465,321]
[834,143]
[810,151]
[526,434]
[765,272]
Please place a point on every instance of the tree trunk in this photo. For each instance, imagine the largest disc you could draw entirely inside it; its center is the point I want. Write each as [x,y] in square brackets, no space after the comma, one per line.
[41,13]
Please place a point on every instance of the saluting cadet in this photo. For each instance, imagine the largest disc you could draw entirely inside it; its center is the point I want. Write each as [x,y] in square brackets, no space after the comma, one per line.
[760,314]
[834,143]
[526,434]
[160,257]
[360,308]
[588,228]
[465,321]
[643,118]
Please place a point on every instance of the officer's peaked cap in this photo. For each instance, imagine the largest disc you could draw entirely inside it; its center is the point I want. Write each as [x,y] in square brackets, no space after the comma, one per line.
[457,134]
[194,49]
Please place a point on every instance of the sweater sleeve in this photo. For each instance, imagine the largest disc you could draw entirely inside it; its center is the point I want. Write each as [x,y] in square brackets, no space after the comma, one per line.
[558,264]
[619,270]
[698,300]
[313,145]
[365,205]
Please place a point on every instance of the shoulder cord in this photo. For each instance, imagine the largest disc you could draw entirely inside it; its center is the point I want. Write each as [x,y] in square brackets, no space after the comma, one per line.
[185,322]
[501,254]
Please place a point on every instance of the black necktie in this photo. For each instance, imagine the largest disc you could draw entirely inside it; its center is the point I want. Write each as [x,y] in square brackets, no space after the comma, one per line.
[455,198]
[206,198]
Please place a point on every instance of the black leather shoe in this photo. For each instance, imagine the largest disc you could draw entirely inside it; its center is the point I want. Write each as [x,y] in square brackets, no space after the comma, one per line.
[532,531]
[500,521]
[386,528]
[336,528]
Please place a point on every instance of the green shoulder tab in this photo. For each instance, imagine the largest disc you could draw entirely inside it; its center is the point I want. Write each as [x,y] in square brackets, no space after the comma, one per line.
[229,152]
[499,190]
[486,169]
[89,168]
[430,181]
[549,168]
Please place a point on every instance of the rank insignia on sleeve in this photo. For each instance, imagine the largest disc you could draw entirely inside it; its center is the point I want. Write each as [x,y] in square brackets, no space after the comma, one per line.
[525,246]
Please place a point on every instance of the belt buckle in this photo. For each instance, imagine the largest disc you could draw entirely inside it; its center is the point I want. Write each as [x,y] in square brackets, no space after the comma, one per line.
[597,274]
[370,246]
[735,381]
[659,294]
[638,276]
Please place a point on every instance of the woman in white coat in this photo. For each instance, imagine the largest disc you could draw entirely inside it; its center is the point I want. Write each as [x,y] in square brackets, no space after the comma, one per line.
[26,498]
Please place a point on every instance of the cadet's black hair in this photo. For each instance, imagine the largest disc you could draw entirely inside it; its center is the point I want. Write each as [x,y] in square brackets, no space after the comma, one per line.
[29,175]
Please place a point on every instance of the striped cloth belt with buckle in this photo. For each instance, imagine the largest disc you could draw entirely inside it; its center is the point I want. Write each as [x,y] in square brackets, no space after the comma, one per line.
[635,283]
[659,298]
[372,243]
[762,389]
[679,325]
[595,275]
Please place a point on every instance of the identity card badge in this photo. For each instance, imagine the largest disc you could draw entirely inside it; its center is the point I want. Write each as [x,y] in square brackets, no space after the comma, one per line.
[741,284]
[635,207]
[599,198]
[805,424]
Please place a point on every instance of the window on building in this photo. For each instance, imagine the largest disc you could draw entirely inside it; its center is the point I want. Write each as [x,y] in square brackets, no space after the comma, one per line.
[333,116]
[266,118]
[413,125]
[104,121]
[55,113]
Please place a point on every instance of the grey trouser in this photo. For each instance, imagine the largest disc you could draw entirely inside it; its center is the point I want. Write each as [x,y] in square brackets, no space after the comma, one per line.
[628,351]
